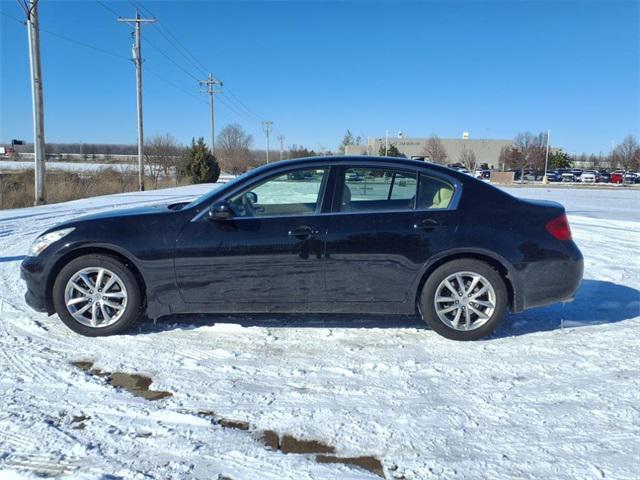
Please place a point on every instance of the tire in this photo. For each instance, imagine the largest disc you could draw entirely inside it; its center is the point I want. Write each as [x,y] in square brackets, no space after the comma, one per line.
[121,307]
[467,270]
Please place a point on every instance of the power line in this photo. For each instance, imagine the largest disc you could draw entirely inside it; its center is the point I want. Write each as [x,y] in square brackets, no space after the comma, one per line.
[107,7]
[155,47]
[234,96]
[86,45]
[170,83]
[239,113]
[21,22]
[122,57]
[153,72]
[233,102]
[174,41]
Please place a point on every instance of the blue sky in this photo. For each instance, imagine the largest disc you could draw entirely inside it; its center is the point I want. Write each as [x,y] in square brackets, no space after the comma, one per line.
[319,68]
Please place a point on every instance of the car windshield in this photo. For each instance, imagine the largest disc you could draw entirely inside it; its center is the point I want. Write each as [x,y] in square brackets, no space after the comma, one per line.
[217,186]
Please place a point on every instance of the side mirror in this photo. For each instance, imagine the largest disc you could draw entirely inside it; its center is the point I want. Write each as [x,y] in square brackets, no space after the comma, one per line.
[220,211]
[252,197]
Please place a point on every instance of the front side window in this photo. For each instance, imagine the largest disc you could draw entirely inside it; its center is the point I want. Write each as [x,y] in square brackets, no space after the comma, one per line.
[297,192]
[433,193]
[374,189]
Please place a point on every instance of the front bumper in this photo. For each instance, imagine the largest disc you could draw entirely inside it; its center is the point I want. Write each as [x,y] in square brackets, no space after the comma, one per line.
[32,272]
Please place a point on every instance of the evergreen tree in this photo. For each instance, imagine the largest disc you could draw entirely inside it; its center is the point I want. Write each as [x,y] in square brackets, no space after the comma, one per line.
[201,165]
[346,140]
[559,159]
[392,151]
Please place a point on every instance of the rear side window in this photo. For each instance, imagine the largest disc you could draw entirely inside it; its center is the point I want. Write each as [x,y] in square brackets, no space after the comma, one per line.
[375,189]
[433,193]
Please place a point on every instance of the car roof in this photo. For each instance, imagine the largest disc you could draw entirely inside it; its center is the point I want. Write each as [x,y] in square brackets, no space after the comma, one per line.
[360,159]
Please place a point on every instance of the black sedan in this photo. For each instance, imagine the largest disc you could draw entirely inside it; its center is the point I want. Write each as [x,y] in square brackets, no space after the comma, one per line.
[327,235]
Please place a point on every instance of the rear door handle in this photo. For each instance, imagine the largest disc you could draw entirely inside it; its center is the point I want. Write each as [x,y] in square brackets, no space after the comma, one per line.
[303,232]
[427,224]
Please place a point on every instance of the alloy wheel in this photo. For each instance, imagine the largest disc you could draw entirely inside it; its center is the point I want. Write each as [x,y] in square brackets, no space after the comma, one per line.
[95,297]
[465,301]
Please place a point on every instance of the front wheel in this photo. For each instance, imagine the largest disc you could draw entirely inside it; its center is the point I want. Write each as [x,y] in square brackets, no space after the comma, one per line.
[464,299]
[97,295]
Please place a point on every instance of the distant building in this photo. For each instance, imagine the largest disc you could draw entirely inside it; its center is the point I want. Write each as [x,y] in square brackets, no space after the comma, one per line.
[486,150]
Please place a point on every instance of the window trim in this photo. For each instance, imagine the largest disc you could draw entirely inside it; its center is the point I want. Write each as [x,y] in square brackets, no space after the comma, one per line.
[341,176]
[455,197]
[332,188]
[324,188]
[341,182]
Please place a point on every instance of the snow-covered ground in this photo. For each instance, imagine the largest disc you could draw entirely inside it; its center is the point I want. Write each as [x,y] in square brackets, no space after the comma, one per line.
[553,395]
[84,167]
[68,166]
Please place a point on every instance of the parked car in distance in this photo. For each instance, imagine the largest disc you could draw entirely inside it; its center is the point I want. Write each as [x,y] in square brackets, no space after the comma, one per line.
[529,175]
[631,178]
[605,177]
[554,176]
[589,176]
[576,173]
[617,176]
[481,173]
[415,238]
[568,177]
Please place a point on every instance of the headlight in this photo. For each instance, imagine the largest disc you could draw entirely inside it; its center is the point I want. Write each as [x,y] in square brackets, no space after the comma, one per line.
[43,241]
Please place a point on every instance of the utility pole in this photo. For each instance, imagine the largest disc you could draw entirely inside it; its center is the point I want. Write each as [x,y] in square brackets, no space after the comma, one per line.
[281,140]
[33,32]
[136,54]
[211,83]
[267,126]
[386,144]
[545,180]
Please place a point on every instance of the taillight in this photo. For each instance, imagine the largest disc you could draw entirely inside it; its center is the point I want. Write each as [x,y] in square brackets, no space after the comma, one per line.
[559,227]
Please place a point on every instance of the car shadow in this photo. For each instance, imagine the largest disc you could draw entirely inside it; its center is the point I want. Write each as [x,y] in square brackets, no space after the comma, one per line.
[284,320]
[597,302]
[17,258]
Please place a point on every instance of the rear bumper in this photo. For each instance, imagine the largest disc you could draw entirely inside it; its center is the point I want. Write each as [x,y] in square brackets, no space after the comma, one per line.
[550,281]
[32,273]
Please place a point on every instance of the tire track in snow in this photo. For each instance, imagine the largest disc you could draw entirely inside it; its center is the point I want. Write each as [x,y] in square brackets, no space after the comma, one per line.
[17,440]
[44,465]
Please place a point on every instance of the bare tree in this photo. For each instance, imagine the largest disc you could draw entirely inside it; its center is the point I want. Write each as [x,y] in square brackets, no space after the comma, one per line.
[434,149]
[531,151]
[507,158]
[162,154]
[468,158]
[626,154]
[233,145]
[125,176]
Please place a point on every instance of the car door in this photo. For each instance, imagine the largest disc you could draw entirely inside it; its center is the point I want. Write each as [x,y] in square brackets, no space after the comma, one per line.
[385,224]
[267,256]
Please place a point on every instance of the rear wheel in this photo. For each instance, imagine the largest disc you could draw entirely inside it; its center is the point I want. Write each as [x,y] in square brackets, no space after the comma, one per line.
[464,299]
[96,295]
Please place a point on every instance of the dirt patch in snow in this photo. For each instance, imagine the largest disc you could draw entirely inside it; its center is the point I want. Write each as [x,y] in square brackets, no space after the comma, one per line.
[134,383]
[289,444]
[368,463]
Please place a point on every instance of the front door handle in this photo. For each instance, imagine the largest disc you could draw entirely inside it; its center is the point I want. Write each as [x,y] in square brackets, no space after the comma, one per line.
[303,232]
[427,224]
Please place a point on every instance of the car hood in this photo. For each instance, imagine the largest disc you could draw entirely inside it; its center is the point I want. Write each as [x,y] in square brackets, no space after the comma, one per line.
[157,209]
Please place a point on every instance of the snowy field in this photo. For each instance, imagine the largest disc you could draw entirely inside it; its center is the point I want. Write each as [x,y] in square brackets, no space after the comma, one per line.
[6,165]
[84,167]
[553,395]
